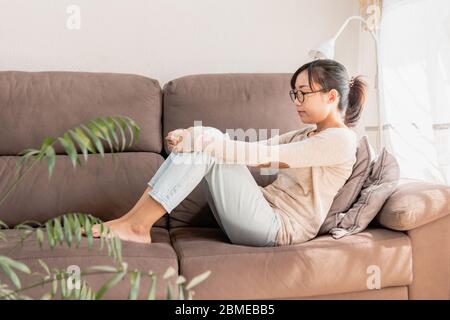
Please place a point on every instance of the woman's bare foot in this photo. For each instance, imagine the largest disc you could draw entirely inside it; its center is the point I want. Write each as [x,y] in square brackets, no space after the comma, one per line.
[136,224]
[126,231]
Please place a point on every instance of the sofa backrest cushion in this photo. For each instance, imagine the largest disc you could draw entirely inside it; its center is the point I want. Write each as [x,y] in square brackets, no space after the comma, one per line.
[227,101]
[34,105]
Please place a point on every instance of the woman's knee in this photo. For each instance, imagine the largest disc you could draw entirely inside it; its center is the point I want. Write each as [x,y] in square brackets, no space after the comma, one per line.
[197,157]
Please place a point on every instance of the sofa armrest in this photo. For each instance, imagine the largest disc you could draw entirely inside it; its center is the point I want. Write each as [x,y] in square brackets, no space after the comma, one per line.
[413,204]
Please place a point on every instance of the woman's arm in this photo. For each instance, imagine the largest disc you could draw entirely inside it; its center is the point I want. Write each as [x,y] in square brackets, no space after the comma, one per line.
[326,148]
[280,139]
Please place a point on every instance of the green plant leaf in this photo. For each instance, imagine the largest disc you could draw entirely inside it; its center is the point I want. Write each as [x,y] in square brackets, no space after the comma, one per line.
[25,234]
[170,272]
[50,238]
[58,231]
[136,128]
[46,143]
[111,283]
[103,268]
[8,264]
[80,143]
[83,291]
[169,295]
[180,292]
[63,287]
[44,266]
[110,129]
[118,247]
[25,224]
[180,280]
[27,154]
[110,245]
[25,151]
[88,229]
[51,158]
[47,296]
[127,125]
[135,280]
[54,285]
[122,132]
[98,144]
[69,147]
[198,279]
[76,228]
[104,131]
[102,239]
[85,139]
[152,291]
[67,230]
[3,225]
[11,274]
[40,236]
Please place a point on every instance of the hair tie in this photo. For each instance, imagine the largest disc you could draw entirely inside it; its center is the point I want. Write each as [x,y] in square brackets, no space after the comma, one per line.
[351,82]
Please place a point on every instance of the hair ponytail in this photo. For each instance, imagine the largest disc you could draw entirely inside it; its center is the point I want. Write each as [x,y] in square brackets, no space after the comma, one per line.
[356,99]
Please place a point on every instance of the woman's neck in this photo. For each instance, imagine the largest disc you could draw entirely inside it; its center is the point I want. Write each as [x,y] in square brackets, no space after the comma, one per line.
[333,125]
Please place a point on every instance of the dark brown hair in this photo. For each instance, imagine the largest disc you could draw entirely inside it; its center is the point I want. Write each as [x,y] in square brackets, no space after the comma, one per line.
[330,74]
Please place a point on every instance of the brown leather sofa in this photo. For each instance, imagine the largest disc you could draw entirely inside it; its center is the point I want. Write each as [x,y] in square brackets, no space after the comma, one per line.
[410,259]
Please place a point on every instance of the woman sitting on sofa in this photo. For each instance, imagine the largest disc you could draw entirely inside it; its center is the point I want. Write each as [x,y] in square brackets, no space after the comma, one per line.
[315,163]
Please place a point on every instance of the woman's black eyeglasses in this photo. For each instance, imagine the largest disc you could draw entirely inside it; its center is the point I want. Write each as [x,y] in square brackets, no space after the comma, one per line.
[300,95]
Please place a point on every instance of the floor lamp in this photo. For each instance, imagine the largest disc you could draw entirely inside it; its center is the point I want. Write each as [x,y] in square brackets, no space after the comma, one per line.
[325,50]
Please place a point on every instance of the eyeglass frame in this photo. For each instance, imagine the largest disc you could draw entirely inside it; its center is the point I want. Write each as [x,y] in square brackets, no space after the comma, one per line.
[294,93]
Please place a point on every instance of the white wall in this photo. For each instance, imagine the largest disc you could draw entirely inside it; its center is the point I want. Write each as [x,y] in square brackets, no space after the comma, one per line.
[166,39]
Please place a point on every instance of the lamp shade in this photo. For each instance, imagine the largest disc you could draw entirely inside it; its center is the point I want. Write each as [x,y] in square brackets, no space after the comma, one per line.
[325,50]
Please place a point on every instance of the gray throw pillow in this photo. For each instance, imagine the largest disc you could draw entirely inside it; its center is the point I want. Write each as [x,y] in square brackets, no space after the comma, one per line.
[380,184]
[349,192]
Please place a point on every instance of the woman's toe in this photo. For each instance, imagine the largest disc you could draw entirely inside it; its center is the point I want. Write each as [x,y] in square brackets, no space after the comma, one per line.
[96,230]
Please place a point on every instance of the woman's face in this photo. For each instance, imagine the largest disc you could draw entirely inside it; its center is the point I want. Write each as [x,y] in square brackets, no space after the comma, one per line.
[315,107]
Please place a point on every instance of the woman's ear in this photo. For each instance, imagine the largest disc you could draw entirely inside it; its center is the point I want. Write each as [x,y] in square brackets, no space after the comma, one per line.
[332,96]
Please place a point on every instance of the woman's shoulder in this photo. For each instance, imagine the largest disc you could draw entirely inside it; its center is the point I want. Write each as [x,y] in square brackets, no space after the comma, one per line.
[338,131]
[341,136]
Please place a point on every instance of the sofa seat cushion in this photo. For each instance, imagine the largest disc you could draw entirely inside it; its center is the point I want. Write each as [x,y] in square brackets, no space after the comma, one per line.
[157,257]
[317,267]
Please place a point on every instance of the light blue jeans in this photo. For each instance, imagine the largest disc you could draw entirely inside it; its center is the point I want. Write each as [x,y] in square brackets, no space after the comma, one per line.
[233,195]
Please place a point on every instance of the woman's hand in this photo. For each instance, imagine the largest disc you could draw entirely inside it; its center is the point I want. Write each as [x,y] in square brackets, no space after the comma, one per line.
[193,139]
[180,140]
[185,140]
[174,137]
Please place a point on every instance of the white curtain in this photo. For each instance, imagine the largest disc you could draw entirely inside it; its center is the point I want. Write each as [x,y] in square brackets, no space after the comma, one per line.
[414,59]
